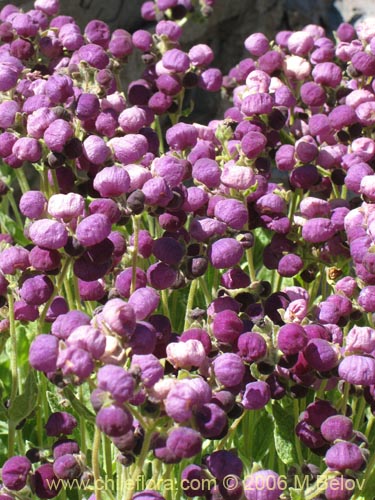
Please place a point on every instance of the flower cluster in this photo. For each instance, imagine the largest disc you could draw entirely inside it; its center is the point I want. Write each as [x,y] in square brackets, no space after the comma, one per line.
[183,288]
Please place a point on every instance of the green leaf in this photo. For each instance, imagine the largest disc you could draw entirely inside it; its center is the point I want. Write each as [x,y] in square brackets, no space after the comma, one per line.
[262,436]
[284,434]
[80,408]
[54,402]
[25,403]
[296,494]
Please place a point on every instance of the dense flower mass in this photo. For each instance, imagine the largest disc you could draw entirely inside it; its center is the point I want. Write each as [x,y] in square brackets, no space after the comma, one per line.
[187,309]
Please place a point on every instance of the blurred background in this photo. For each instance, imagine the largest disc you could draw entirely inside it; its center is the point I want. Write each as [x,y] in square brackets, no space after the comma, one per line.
[224,30]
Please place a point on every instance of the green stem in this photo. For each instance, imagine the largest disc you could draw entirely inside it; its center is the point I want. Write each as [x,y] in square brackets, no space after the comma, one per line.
[14,372]
[297,441]
[250,264]
[206,293]
[190,302]
[108,457]
[82,423]
[345,398]
[14,206]
[96,464]
[22,180]
[136,221]
[56,290]
[164,302]
[160,135]
[140,462]
[359,414]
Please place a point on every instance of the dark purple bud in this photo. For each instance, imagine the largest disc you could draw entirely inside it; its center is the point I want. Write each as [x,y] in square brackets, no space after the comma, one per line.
[223,463]
[43,353]
[64,446]
[256,396]
[337,427]
[358,370]
[321,355]
[184,442]
[65,324]
[344,455]
[67,467]
[46,484]
[114,421]
[224,253]
[117,381]
[291,338]
[251,346]
[211,420]
[15,471]
[60,423]
[36,290]
[264,485]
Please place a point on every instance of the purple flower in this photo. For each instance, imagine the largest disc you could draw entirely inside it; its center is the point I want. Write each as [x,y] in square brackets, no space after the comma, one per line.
[120,317]
[321,355]
[114,420]
[232,212]
[256,396]
[251,347]
[187,354]
[49,7]
[95,149]
[257,44]
[226,252]
[186,396]
[44,352]
[57,134]
[75,361]
[257,104]
[93,229]
[67,467]
[227,326]
[8,110]
[144,301]
[151,370]
[358,370]
[211,421]
[121,43]
[181,136]
[36,290]
[48,234]
[176,60]
[184,442]
[201,55]
[117,381]
[290,265]
[32,204]
[148,494]
[27,149]
[291,338]
[66,206]
[223,463]
[229,369]
[94,55]
[60,423]
[171,169]
[46,484]
[337,427]
[169,29]
[65,324]
[236,176]
[112,182]
[253,144]
[130,148]
[15,471]
[344,455]
[211,80]
[317,230]
[88,338]
[263,485]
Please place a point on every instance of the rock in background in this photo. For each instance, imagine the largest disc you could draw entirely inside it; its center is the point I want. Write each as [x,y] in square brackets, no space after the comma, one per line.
[225,30]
